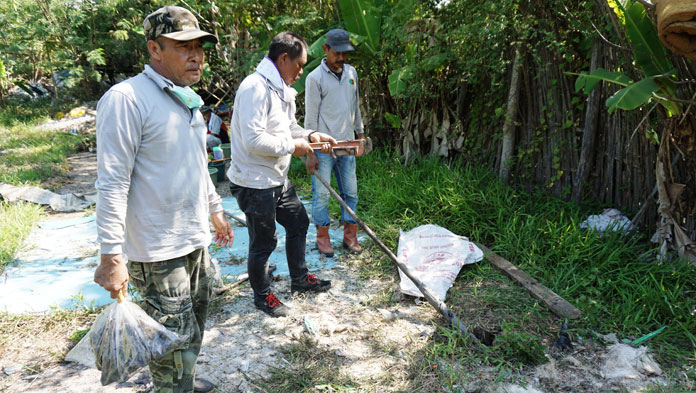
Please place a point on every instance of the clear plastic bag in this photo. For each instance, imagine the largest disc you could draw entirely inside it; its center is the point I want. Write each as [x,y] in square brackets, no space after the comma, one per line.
[124,338]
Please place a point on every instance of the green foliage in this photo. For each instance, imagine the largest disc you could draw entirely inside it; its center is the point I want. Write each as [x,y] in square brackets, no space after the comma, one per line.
[541,236]
[78,334]
[520,347]
[16,222]
[32,154]
[587,81]
[649,55]
[633,96]
[364,18]
[398,80]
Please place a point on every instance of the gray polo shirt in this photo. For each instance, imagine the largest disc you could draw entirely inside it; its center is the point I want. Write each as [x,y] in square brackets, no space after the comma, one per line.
[332,106]
[154,191]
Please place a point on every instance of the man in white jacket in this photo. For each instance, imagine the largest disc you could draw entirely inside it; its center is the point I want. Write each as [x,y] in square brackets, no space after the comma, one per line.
[264,134]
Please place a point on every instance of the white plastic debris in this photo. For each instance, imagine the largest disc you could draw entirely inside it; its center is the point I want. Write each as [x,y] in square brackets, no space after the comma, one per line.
[625,362]
[60,203]
[609,220]
[512,388]
[434,255]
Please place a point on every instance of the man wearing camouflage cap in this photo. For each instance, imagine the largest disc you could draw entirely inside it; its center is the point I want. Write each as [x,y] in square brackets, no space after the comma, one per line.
[155,194]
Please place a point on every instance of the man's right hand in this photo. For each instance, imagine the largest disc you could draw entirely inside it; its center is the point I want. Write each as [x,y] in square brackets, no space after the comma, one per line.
[302,147]
[112,274]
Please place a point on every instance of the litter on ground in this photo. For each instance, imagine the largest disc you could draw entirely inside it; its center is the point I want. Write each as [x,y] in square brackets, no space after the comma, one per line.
[609,220]
[434,255]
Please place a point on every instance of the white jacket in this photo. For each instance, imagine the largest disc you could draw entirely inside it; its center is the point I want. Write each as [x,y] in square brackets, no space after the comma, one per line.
[262,129]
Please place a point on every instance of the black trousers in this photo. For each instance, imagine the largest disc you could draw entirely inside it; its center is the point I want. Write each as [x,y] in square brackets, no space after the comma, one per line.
[262,209]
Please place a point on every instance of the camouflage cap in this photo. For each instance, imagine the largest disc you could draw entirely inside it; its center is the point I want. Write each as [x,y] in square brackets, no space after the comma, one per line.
[176,23]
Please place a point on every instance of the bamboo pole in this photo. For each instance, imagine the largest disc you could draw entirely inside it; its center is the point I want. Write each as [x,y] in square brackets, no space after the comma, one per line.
[590,130]
[510,119]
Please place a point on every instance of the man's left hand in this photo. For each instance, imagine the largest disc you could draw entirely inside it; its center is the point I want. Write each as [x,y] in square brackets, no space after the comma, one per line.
[321,137]
[224,235]
[311,163]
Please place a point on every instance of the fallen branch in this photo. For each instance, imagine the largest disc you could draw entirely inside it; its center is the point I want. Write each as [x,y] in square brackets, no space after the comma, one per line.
[555,303]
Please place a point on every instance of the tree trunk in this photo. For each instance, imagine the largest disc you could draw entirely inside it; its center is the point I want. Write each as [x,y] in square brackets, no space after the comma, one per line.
[510,116]
[588,134]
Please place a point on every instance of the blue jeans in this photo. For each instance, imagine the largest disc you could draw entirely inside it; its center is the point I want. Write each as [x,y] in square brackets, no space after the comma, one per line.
[343,167]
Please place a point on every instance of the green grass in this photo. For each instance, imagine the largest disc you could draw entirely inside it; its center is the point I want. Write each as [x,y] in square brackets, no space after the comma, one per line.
[614,279]
[309,369]
[28,155]
[16,222]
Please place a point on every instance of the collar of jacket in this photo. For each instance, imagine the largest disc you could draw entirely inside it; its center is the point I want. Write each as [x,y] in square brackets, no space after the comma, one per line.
[269,71]
[165,84]
[159,80]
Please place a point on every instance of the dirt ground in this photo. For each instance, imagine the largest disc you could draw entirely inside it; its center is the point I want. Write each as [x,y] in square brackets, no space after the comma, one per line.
[374,348]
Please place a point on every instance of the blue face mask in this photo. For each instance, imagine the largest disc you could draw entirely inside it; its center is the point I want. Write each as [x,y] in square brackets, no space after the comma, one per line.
[188,97]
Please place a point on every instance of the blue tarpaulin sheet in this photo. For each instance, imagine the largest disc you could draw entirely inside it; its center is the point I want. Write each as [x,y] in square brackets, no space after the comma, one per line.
[57,267]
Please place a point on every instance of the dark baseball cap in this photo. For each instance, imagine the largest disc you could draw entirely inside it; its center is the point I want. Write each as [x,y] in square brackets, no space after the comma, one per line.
[176,23]
[339,40]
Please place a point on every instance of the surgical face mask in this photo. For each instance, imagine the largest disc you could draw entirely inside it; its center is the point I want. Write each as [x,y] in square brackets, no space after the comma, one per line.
[188,97]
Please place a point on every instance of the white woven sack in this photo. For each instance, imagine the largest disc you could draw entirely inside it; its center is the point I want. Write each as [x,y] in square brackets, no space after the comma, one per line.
[434,256]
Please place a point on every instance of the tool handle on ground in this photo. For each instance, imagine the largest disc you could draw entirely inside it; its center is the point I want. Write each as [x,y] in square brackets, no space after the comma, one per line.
[438,304]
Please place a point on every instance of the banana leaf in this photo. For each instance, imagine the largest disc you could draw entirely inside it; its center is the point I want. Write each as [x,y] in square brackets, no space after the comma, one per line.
[364,18]
[587,81]
[633,95]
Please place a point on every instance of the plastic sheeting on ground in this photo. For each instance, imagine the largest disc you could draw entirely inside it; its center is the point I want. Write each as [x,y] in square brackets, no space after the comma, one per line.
[57,266]
[61,203]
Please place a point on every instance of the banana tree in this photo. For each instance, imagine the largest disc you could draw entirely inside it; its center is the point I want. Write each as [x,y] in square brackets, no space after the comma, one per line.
[649,55]
[659,86]
[362,19]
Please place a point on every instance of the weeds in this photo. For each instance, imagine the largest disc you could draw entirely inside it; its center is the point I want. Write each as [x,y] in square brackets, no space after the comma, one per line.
[30,154]
[310,369]
[613,279]
[16,222]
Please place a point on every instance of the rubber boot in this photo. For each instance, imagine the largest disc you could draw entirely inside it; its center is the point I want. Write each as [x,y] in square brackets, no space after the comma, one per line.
[324,242]
[350,241]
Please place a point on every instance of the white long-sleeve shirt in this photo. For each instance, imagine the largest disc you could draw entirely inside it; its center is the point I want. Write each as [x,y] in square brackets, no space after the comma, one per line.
[155,194]
[262,129]
[332,106]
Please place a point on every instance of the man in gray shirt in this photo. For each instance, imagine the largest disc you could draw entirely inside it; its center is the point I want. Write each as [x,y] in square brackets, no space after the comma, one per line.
[264,134]
[155,195]
[333,107]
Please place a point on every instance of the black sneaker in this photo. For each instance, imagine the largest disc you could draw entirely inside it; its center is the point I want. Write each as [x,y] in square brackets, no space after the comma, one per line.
[272,306]
[310,283]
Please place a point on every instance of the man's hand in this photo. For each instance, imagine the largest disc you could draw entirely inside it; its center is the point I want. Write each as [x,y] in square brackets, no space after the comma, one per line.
[311,163]
[302,147]
[112,274]
[361,136]
[224,234]
[321,137]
